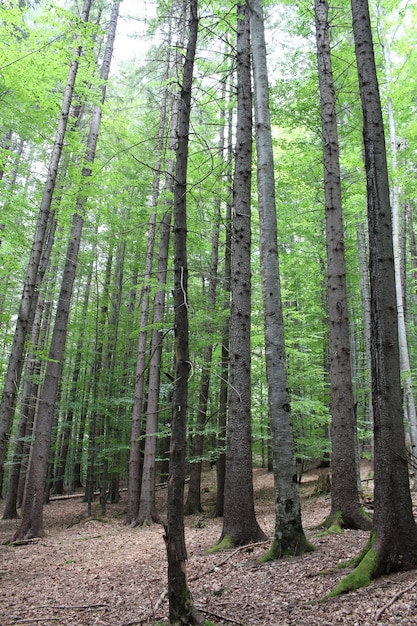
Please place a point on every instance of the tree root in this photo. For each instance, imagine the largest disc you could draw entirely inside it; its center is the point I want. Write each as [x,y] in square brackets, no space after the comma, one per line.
[366,569]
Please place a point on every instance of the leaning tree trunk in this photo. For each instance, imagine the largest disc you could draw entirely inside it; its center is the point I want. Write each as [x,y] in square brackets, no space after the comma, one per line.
[346,510]
[239,521]
[393,542]
[32,518]
[181,607]
[289,537]
[27,305]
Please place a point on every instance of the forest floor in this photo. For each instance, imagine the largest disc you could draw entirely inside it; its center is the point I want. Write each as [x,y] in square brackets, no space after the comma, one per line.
[90,571]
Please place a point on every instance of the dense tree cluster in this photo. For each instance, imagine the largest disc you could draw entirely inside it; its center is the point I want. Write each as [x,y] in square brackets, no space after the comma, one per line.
[184,245]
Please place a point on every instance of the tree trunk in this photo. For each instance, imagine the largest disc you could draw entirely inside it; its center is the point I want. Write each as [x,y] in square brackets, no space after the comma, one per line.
[366,306]
[239,521]
[393,542]
[27,413]
[289,538]
[32,519]
[345,511]
[73,395]
[16,360]
[408,395]
[224,381]
[193,503]
[145,494]
[181,607]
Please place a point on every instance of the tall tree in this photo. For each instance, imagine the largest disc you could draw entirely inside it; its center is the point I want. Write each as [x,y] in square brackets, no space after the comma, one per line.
[181,606]
[239,521]
[346,510]
[393,542]
[409,404]
[29,294]
[32,518]
[289,537]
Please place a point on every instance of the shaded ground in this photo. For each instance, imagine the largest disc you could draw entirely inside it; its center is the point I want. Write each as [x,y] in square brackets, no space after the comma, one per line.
[87,572]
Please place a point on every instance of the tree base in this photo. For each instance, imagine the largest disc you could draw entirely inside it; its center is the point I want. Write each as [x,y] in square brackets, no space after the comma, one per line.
[297,546]
[366,569]
[336,522]
[223,544]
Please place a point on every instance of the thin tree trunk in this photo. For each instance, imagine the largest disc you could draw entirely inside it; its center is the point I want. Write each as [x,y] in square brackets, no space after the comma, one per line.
[366,307]
[224,380]
[345,510]
[289,537]
[16,360]
[193,503]
[135,484]
[147,513]
[96,423]
[181,607]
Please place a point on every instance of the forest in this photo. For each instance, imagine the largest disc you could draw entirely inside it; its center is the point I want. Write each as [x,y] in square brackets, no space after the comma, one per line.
[208,301]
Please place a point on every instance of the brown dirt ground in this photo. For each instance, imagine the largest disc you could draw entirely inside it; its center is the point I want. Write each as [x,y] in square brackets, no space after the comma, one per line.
[89,572]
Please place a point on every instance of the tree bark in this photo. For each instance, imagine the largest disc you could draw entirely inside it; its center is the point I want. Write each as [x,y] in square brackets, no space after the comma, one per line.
[239,521]
[289,537]
[393,542]
[345,511]
[181,607]
[408,394]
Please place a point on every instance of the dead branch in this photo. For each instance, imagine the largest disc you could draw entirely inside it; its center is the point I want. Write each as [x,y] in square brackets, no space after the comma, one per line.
[38,619]
[21,542]
[70,607]
[220,616]
[160,600]
[393,600]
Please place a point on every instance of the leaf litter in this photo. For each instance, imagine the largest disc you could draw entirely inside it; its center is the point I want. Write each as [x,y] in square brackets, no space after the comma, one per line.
[89,571]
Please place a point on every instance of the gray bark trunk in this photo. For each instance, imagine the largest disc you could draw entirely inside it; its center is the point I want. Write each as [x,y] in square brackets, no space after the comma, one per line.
[289,536]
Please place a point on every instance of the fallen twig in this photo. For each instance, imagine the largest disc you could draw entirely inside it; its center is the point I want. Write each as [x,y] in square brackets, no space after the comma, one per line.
[394,599]
[21,542]
[70,607]
[160,600]
[219,616]
[38,619]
